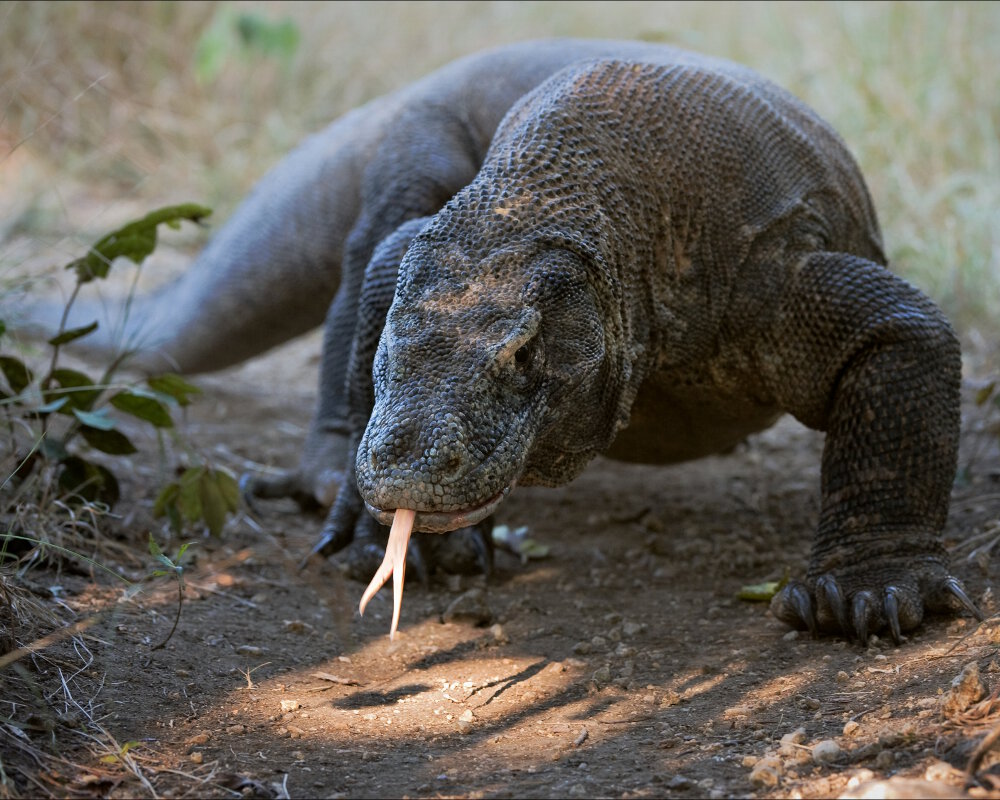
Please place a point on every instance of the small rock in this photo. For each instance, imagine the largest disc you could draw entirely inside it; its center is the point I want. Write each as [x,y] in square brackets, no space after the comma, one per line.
[289,705]
[630,629]
[196,757]
[791,636]
[599,643]
[499,635]
[236,730]
[766,773]
[790,740]
[670,698]
[826,751]
[249,650]
[842,678]
[750,761]
[885,760]
[465,721]
[602,675]
[296,626]
[679,782]
[469,607]
[198,739]
[851,727]
[582,648]
[295,732]
[966,689]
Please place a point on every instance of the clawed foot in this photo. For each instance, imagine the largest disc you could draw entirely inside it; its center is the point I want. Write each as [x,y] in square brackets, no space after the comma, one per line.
[899,603]
[348,528]
[289,483]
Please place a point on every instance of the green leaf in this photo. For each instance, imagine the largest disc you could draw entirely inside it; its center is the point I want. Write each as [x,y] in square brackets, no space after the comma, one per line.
[763,592]
[174,386]
[213,506]
[70,335]
[98,420]
[189,494]
[134,241]
[758,592]
[92,482]
[114,443]
[54,449]
[54,405]
[165,499]
[144,407]
[982,395]
[228,488]
[69,379]
[154,548]
[18,376]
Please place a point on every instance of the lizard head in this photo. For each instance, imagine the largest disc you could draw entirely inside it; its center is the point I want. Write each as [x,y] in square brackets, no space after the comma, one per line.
[491,370]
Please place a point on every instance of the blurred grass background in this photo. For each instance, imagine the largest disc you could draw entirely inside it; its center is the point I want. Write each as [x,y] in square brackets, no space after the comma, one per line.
[108,109]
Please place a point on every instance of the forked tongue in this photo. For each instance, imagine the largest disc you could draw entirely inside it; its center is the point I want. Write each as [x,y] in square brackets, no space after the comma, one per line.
[393,564]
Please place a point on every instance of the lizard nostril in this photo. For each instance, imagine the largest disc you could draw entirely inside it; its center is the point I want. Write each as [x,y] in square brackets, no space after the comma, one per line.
[454,461]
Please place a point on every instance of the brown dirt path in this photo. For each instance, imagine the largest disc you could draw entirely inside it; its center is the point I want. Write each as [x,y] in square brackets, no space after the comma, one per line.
[621,665]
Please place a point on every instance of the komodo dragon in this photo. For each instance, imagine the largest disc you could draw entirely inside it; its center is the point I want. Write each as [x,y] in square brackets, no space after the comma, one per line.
[602,247]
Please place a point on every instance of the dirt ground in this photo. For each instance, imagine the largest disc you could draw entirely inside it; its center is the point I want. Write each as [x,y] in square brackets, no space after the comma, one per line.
[620,665]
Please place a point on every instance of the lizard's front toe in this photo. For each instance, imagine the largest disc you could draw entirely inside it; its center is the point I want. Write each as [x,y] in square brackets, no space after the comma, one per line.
[862,601]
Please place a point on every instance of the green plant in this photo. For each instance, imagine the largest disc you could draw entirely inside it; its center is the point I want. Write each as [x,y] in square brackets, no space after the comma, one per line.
[175,568]
[56,416]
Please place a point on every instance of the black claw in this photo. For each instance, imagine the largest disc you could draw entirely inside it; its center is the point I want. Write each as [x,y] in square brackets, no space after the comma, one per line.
[861,611]
[482,543]
[799,597]
[829,590]
[891,608]
[952,586]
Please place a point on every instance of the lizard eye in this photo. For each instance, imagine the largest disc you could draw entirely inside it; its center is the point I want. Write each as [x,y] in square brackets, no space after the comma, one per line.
[522,354]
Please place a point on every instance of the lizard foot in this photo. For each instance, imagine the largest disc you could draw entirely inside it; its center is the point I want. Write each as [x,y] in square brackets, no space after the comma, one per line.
[466,551]
[314,483]
[288,483]
[857,603]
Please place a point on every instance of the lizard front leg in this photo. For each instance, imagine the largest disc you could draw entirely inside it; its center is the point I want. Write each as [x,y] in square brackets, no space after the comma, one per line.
[348,523]
[857,352]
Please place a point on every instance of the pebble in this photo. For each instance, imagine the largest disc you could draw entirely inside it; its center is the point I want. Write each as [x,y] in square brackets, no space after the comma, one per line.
[235,730]
[465,721]
[198,739]
[249,650]
[790,740]
[885,760]
[602,675]
[766,773]
[842,678]
[851,727]
[966,689]
[679,782]
[582,648]
[499,635]
[826,751]
[196,757]
[289,705]
[469,607]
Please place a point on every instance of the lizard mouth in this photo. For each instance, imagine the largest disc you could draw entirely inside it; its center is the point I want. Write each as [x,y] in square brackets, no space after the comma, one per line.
[443,521]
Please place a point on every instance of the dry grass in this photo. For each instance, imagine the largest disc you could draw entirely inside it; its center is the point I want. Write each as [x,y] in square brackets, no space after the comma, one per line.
[102,118]
[104,99]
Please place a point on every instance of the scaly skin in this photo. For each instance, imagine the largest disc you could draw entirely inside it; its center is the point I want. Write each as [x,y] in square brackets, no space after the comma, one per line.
[648,249]
[652,255]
